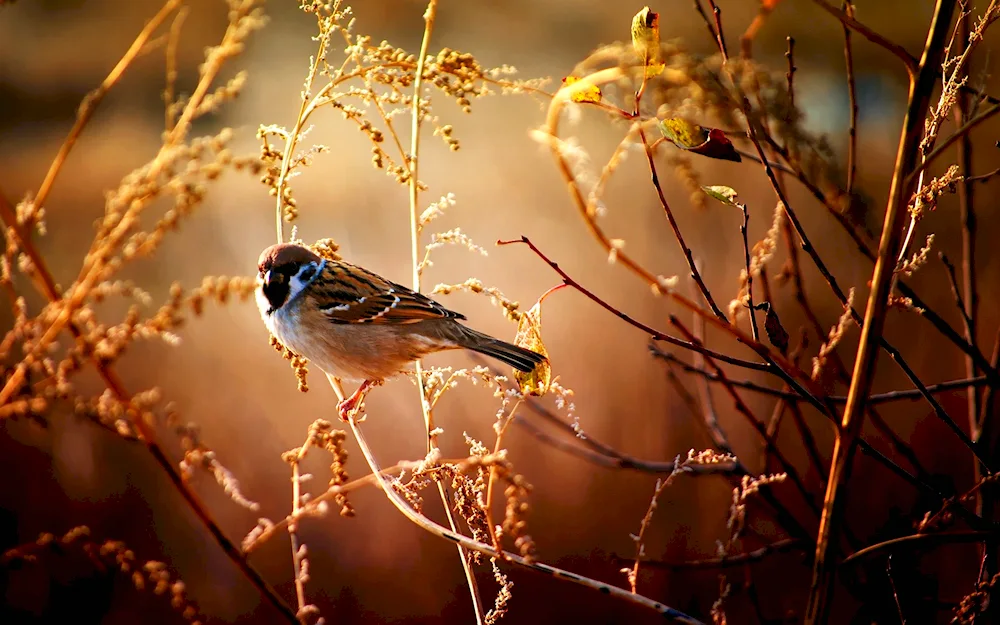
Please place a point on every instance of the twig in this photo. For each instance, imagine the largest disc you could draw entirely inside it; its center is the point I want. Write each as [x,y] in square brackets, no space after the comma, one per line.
[879,398]
[954,137]
[790,74]
[892,584]
[695,274]
[920,540]
[746,259]
[880,340]
[473,545]
[706,20]
[872,36]
[746,39]
[968,304]
[413,164]
[852,132]
[656,334]
[173,41]
[93,99]
[755,423]
[871,331]
[963,310]
[300,582]
[707,411]
[789,544]
[720,37]
[46,285]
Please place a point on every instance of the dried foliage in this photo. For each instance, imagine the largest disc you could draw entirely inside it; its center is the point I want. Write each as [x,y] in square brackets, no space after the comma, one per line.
[671,106]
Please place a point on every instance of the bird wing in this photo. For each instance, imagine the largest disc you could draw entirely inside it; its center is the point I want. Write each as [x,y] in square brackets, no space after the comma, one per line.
[353,294]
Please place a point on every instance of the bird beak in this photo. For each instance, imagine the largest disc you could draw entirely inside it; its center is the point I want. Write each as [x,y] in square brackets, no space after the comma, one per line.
[267,277]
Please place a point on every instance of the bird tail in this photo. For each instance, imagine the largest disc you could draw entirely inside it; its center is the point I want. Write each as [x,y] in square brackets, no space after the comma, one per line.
[518,357]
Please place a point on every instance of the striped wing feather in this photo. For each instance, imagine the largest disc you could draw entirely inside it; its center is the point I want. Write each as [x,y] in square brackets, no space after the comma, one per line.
[352,294]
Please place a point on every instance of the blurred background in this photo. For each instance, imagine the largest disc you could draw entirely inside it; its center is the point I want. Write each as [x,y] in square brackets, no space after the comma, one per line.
[378,567]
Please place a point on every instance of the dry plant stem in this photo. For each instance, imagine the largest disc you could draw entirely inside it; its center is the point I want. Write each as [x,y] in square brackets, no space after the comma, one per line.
[790,73]
[807,247]
[920,540]
[776,364]
[695,274]
[719,36]
[293,137]
[430,526]
[707,411]
[300,586]
[746,259]
[488,508]
[330,493]
[788,544]
[413,164]
[171,62]
[943,147]
[755,423]
[93,266]
[46,285]
[147,436]
[986,424]
[880,398]
[919,100]
[852,132]
[93,99]
[848,21]
[705,18]
[655,334]
[967,216]
[796,273]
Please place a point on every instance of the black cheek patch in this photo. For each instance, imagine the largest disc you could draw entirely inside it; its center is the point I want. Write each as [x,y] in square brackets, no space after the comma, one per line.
[276,292]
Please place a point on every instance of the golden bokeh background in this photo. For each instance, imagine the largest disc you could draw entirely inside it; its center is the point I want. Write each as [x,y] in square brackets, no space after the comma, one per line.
[378,567]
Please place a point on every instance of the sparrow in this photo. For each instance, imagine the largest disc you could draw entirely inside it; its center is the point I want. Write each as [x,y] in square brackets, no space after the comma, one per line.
[357,326]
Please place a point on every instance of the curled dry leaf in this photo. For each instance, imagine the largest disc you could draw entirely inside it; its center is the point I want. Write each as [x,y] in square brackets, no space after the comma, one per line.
[529,336]
[776,332]
[726,195]
[710,142]
[646,40]
[584,92]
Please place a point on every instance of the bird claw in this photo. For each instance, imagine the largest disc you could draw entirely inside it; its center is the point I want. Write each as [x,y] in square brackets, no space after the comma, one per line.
[348,407]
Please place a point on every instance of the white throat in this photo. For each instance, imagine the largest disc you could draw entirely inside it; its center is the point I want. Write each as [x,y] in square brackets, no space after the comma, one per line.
[306,275]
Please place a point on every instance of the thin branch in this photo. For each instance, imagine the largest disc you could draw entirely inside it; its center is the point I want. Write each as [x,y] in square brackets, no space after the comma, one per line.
[781,546]
[746,259]
[94,98]
[923,541]
[413,164]
[852,133]
[695,274]
[871,331]
[849,22]
[879,398]
[46,285]
[437,530]
[755,423]
[656,334]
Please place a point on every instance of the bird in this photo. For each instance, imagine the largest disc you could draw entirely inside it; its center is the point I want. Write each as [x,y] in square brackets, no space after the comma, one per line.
[357,326]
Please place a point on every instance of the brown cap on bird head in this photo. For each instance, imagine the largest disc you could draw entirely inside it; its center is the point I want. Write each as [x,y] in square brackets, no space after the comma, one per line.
[283,254]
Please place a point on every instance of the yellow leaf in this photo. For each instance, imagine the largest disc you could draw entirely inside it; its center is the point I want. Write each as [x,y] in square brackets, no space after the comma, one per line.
[683,133]
[529,336]
[726,195]
[646,40]
[583,93]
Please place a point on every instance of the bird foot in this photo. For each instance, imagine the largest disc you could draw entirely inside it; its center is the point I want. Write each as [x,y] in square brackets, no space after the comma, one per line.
[352,404]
